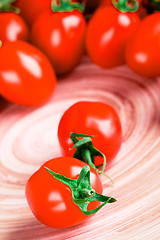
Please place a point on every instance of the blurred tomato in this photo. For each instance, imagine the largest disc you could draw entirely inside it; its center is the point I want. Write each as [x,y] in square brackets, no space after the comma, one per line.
[141,12]
[31,9]
[26,75]
[60,36]
[12,27]
[143,49]
[107,33]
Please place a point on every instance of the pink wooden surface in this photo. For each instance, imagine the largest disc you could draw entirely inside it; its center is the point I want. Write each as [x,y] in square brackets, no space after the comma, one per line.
[28,137]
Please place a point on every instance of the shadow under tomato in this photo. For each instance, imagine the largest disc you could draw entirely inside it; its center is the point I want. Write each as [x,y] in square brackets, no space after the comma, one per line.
[35,230]
[3,104]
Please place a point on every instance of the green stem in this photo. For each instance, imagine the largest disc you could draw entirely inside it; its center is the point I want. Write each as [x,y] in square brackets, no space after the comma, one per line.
[6,6]
[85,151]
[82,191]
[74,136]
[88,159]
[126,5]
[67,6]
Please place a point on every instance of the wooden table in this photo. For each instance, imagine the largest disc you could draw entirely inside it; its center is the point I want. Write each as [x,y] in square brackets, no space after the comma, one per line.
[28,137]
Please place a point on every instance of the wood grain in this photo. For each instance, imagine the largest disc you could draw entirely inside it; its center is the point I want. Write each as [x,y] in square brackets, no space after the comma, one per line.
[28,137]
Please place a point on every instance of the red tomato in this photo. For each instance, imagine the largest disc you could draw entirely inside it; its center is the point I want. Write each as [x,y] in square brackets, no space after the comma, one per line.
[106,3]
[31,9]
[51,200]
[141,12]
[26,75]
[12,27]
[107,33]
[61,37]
[143,49]
[93,118]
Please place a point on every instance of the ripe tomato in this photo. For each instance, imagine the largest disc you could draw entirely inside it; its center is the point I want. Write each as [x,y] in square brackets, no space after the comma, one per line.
[106,3]
[143,49]
[30,9]
[51,200]
[107,33]
[141,12]
[12,27]
[93,118]
[60,36]
[26,75]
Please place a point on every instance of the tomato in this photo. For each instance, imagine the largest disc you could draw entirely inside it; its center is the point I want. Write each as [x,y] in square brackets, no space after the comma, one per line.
[60,36]
[93,118]
[141,12]
[30,9]
[143,49]
[51,200]
[12,27]
[107,33]
[26,75]
[106,3]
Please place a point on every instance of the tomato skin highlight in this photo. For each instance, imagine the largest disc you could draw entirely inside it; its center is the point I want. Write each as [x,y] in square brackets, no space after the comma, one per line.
[61,37]
[51,200]
[26,75]
[106,36]
[13,27]
[143,49]
[141,12]
[93,118]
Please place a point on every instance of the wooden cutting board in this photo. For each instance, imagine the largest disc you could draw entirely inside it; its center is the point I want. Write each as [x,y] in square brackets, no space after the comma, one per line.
[28,138]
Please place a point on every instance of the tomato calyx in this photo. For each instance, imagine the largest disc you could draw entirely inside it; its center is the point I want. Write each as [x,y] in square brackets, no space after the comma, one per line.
[82,192]
[85,151]
[67,6]
[6,6]
[126,5]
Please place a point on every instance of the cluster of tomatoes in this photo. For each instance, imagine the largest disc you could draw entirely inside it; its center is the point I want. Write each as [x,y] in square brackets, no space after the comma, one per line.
[66,190]
[114,38]
[48,38]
